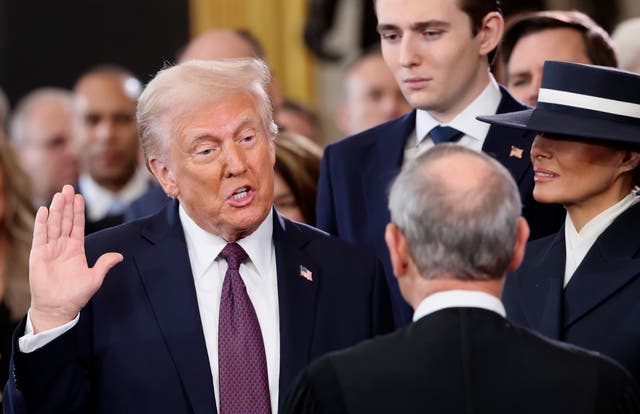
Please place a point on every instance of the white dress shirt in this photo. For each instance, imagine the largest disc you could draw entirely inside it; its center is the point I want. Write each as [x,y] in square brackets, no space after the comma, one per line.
[475,132]
[259,275]
[98,199]
[458,299]
[578,244]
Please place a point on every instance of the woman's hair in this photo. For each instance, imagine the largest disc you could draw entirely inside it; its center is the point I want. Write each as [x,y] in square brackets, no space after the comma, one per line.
[16,229]
[298,163]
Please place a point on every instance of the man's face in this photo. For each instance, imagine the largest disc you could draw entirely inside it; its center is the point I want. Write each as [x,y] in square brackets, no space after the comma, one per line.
[372,96]
[220,167]
[47,151]
[524,69]
[105,128]
[428,45]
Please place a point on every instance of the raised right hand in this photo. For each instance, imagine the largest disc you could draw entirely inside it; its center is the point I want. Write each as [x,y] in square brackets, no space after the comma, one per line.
[61,282]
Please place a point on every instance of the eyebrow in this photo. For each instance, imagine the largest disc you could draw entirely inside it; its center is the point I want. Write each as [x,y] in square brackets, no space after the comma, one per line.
[417,26]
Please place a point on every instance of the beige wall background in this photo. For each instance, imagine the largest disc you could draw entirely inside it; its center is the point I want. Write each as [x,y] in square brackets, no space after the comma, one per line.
[279,26]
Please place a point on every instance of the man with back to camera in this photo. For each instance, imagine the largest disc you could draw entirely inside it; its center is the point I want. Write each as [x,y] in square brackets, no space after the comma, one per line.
[213,304]
[439,53]
[455,231]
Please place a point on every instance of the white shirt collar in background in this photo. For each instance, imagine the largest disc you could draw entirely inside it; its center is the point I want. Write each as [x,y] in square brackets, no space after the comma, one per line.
[98,199]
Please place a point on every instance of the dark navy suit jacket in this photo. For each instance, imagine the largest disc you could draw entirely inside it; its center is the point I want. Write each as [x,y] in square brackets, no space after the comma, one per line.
[599,309]
[139,345]
[152,201]
[357,172]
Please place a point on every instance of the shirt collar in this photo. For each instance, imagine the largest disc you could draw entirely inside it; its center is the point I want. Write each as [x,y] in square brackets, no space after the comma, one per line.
[458,299]
[98,199]
[204,247]
[485,104]
[597,225]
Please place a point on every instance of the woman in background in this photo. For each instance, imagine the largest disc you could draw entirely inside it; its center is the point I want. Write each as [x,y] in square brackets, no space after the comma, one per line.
[296,180]
[16,228]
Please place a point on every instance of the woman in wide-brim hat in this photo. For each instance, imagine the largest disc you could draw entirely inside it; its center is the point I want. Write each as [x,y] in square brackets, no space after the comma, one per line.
[582,285]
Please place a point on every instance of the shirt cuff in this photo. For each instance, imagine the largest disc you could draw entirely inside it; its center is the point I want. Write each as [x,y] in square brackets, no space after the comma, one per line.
[31,342]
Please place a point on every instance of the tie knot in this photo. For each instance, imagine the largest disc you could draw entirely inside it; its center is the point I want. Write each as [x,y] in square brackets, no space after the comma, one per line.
[441,134]
[234,254]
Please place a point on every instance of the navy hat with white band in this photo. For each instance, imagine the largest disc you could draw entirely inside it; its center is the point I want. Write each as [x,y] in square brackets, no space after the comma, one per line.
[582,101]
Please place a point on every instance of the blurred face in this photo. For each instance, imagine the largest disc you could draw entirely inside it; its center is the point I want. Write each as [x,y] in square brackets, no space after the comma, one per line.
[284,200]
[297,122]
[47,151]
[524,69]
[220,167]
[372,96]
[105,128]
[579,174]
[428,45]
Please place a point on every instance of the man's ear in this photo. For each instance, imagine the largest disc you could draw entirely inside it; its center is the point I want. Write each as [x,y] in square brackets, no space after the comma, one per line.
[521,242]
[490,32]
[398,250]
[164,176]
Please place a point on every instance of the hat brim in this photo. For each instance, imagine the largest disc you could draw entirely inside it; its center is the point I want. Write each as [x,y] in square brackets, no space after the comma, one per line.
[569,125]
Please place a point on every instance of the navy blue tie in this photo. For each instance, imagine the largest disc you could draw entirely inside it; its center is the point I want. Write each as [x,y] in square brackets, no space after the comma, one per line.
[440,134]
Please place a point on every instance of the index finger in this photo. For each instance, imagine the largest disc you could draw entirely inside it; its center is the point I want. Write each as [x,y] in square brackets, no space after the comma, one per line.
[77,231]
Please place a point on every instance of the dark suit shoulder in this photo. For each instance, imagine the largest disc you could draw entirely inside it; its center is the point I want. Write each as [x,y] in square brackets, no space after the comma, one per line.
[324,242]
[352,146]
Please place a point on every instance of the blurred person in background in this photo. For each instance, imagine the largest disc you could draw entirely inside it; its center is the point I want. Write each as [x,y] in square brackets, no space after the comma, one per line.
[296,180]
[4,110]
[532,38]
[230,44]
[371,95]
[17,216]
[41,134]
[105,131]
[626,36]
[300,119]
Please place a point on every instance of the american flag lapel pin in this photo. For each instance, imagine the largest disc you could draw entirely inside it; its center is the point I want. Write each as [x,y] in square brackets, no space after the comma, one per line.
[306,273]
[516,152]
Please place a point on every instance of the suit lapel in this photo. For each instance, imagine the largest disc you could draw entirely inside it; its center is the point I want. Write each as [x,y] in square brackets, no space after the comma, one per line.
[296,299]
[510,146]
[166,275]
[609,265]
[541,284]
[387,154]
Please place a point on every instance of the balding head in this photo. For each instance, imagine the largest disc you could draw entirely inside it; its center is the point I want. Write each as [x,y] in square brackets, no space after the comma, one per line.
[458,210]
[41,134]
[222,44]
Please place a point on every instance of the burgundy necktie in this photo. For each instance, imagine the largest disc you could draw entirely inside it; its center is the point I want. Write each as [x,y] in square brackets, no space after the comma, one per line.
[242,365]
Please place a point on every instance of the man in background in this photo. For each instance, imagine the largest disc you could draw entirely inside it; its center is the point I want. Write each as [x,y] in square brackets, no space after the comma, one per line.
[533,38]
[104,115]
[41,133]
[439,52]
[371,95]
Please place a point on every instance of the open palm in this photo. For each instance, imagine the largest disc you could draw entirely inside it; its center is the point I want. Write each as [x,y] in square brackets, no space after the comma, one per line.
[60,279]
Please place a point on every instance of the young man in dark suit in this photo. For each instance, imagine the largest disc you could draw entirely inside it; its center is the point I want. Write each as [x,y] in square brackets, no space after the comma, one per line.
[214,303]
[439,52]
[455,231]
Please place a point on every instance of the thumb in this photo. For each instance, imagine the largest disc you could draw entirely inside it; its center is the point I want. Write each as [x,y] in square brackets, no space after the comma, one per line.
[105,263]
